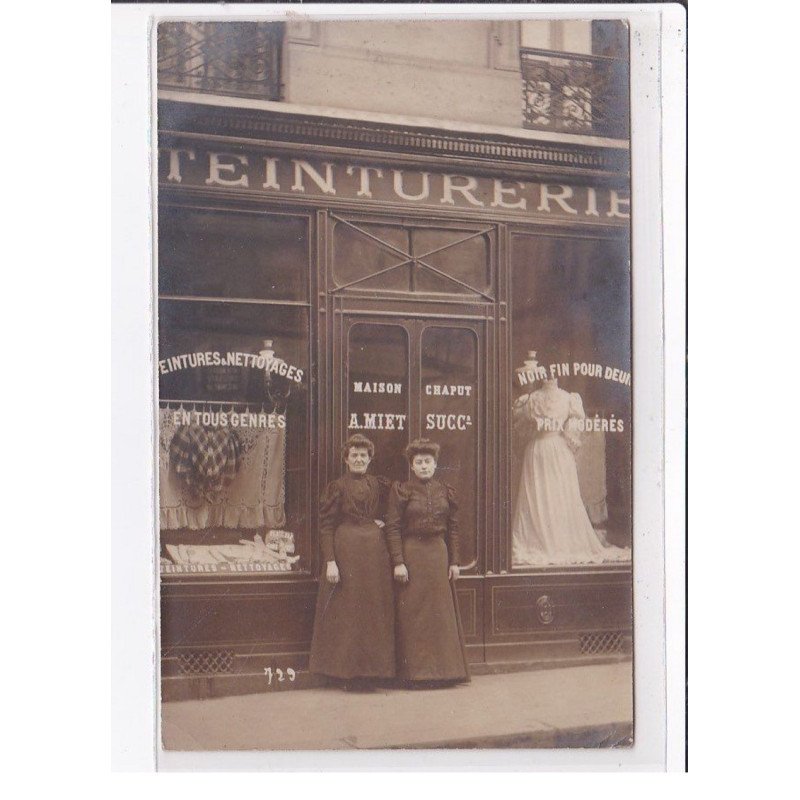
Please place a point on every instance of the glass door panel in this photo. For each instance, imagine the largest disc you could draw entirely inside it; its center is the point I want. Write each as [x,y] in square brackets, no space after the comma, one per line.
[449,406]
[377,393]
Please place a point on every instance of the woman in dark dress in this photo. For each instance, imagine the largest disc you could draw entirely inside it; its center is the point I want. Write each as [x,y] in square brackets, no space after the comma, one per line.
[422,533]
[354,634]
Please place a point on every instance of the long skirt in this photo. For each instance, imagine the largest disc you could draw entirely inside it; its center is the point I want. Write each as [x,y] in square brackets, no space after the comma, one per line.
[354,624]
[428,643]
[551,525]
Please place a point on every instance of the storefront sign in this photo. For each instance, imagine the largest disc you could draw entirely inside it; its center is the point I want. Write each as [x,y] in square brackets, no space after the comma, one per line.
[251,567]
[279,175]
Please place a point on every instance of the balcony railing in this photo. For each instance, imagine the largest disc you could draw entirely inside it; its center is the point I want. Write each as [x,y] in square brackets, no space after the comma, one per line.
[574,93]
[560,91]
[232,58]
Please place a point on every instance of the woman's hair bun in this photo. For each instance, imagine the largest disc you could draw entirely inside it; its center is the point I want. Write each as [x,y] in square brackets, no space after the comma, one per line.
[422,447]
[360,441]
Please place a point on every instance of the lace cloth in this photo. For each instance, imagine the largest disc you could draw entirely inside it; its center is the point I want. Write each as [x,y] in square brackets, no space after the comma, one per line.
[277,547]
[254,498]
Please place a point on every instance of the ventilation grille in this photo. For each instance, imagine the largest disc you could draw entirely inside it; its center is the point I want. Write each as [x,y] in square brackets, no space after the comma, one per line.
[600,643]
[206,662]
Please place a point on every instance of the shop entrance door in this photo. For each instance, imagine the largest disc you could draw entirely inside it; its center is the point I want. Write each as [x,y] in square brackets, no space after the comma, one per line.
[408,376]
[413,321]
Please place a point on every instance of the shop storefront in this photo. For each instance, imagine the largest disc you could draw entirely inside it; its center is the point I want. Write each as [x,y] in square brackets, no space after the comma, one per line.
[319,277]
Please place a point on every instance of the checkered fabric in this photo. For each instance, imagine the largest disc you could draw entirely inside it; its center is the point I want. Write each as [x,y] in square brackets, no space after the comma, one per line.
[205,459]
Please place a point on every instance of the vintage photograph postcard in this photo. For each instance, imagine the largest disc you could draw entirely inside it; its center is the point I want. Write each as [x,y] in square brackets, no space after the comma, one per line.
[394,366]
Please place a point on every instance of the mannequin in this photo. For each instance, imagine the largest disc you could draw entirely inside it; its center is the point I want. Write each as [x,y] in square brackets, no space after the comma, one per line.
[551,525]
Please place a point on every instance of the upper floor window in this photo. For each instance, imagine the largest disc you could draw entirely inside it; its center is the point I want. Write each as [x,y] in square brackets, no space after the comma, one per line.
[236,58]
[575,76]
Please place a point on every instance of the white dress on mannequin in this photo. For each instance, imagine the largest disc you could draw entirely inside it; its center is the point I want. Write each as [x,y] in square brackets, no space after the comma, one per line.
[551,525]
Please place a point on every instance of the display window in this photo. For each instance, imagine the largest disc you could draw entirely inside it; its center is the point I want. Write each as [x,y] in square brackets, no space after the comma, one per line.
[571,412]
[234,404]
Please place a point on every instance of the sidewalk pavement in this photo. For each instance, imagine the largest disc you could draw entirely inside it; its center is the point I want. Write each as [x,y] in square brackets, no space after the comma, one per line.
[584,706]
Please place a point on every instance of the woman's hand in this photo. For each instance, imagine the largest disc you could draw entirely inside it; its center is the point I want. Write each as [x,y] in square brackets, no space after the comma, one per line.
[401,573]
[332,572]
[454,572]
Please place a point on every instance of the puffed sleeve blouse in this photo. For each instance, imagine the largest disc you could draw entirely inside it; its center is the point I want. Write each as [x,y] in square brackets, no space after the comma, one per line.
[360,497]
[422,509]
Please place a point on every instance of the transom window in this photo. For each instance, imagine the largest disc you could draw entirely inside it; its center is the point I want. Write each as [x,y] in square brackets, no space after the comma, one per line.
[380,257]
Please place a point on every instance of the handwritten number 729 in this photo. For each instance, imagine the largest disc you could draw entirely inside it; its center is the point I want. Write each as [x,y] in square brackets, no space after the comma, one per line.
[279,675]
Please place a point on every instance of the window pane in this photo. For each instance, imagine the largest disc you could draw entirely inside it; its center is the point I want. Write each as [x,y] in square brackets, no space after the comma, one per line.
[467,261]
[571,304]
[233,441]
[449,416]
[357,256]
[212,254]
[358,259]
[377,394]
[188,328]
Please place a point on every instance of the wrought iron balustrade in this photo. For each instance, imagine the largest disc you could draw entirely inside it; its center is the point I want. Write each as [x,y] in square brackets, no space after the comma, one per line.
[232,58]
[574,92]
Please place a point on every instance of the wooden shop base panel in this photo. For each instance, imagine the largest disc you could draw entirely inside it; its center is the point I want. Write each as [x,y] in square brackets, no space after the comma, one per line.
[223,638]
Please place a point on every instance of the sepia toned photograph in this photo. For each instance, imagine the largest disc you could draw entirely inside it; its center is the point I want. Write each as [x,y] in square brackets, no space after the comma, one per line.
[394,429]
